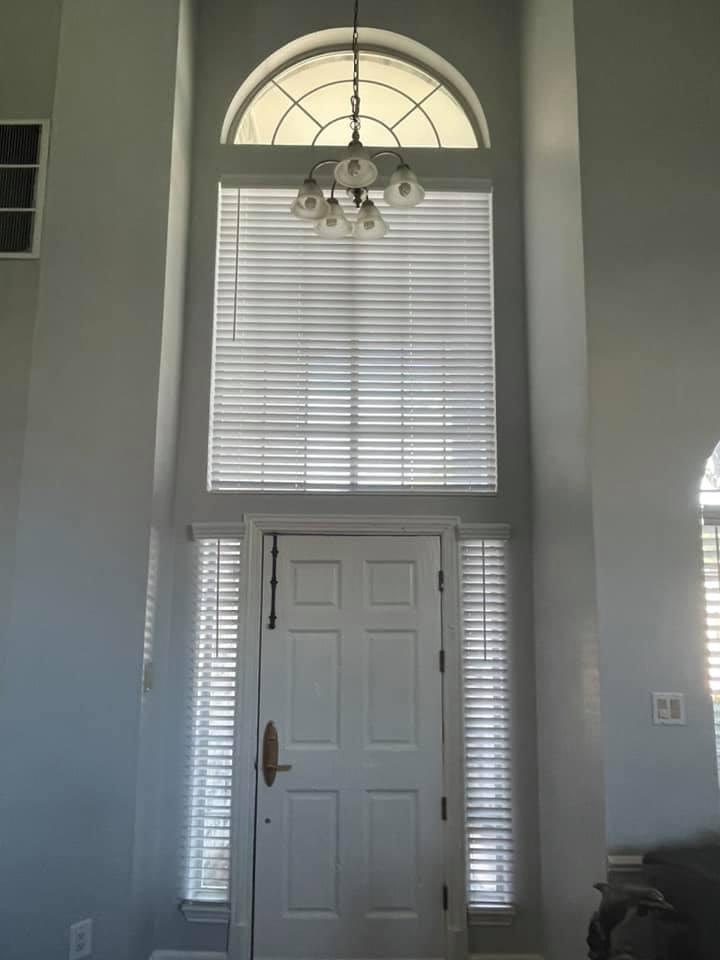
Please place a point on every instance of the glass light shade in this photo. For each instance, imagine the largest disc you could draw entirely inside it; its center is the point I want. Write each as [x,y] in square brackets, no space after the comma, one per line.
[369,224]
[403,190]
[334,225]
[310,204]
[356,169]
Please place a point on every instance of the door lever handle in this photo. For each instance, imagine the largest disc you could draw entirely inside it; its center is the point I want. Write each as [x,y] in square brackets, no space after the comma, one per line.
[270,751]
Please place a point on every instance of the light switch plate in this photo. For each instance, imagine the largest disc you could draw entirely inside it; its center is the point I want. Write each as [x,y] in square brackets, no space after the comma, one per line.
[668,709]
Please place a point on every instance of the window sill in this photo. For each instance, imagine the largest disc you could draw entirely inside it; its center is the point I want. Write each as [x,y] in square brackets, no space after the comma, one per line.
[197,911]
[491,916]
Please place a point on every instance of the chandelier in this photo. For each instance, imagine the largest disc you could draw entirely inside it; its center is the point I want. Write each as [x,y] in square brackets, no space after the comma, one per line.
[356,172]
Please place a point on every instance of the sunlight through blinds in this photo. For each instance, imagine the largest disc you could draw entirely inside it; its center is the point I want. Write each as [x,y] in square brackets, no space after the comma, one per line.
[348,365]
[211,716]
[486,684]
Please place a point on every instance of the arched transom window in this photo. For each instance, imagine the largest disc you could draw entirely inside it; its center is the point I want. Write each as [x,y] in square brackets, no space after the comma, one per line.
[402,105]
[410,97]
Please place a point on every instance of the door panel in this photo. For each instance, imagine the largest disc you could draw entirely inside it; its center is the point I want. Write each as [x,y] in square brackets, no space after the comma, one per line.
[349,851]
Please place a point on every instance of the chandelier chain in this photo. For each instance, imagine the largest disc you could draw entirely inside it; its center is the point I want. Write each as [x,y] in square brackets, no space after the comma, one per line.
[355,99]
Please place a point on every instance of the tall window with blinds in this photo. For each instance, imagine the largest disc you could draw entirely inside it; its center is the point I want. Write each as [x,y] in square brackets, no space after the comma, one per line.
[711,578]
[710,515]
[486,684]
[353,366]
[211,717]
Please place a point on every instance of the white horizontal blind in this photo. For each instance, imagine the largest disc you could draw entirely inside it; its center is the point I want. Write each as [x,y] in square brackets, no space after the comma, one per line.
[486,684]
[206,861]
[352,365]
[711,577]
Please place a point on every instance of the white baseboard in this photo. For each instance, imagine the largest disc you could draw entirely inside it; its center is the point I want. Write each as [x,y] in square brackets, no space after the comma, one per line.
[187,955]
[505,956]
[208,955]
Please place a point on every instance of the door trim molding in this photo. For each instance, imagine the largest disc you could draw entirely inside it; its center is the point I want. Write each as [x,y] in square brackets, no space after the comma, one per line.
[255,528]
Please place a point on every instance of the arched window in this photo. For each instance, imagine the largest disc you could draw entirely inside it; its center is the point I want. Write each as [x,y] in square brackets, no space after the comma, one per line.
[411,97]
[710,505]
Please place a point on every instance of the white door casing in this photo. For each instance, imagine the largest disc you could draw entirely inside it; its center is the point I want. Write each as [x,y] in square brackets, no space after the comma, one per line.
[253,530]
[349,857]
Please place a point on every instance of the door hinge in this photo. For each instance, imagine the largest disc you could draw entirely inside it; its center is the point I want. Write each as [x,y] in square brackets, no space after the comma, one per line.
[444,808]
[441,580]
[445,896]
[441,660]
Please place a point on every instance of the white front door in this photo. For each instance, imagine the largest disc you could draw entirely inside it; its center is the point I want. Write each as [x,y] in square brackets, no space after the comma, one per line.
[349,858]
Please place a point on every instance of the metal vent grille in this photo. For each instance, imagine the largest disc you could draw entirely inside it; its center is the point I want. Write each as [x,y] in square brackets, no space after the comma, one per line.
[23,154]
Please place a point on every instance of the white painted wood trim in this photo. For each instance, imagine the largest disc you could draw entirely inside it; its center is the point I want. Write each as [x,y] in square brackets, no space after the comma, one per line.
[491,916]
[625,861]
[256,526]
[187,955]
[215,531]
[348,524]
[205,955]
[484,531]
[506,956]
[196,912]
[212,530]
[454,751]
[711,515]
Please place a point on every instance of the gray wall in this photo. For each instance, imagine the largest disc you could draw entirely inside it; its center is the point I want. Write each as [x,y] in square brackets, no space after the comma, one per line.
[28,61]
[147,886]
[482,41]
[649,85]
[568,719]
[107,325]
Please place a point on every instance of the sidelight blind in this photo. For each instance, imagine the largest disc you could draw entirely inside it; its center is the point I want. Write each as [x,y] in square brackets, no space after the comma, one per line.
[351,366]
[711,578]
[211,713]
[486,683]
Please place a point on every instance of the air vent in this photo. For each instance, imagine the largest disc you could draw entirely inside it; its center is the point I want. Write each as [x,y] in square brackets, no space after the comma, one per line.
[23,157]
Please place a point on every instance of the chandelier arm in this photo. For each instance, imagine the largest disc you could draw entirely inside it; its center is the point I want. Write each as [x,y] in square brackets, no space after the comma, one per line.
[388,153]
[316,166]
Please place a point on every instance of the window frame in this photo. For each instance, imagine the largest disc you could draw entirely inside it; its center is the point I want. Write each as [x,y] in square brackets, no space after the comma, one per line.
[710,559]
[382,42]
[442,83]
[452,533]
[495,912]
[465,184]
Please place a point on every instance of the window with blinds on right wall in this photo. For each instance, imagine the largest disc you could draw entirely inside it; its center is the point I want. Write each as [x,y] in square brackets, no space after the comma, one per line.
[710,509]
[487,709]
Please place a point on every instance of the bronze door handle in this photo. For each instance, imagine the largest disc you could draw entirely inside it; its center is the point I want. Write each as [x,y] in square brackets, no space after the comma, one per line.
[270,750]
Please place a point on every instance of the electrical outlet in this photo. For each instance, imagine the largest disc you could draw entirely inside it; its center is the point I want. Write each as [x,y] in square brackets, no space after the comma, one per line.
[668,709]
[80,940]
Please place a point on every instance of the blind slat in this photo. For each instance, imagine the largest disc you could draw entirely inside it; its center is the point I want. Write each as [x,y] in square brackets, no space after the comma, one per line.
[352,366]
[486,688]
